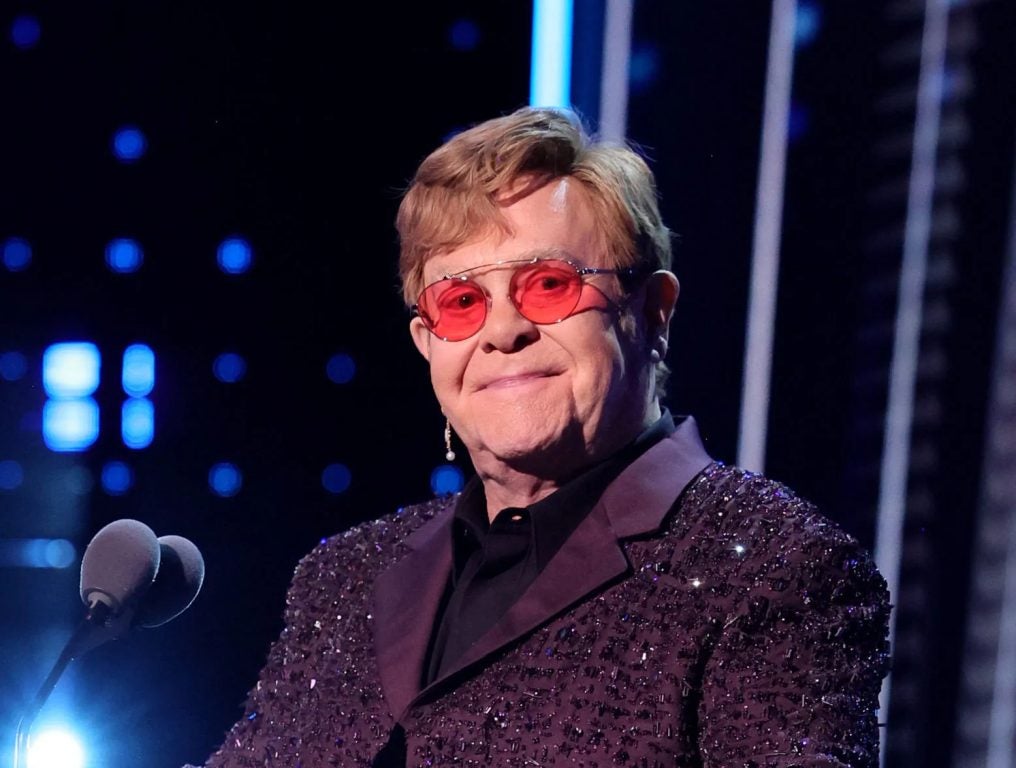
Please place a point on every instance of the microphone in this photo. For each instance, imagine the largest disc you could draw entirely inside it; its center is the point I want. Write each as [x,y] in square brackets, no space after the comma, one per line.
[118,568]
[181,574]
[128,578]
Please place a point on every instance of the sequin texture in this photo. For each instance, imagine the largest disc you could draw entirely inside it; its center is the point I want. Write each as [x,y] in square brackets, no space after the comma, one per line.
[748,632]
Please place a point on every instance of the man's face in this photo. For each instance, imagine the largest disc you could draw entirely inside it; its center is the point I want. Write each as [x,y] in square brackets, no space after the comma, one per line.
[545,399]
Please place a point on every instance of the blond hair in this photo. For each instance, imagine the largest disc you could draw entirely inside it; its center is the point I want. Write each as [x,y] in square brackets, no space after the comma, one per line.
[460,189]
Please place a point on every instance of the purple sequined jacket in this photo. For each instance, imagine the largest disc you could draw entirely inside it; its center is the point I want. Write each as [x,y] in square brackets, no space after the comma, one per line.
[699,616]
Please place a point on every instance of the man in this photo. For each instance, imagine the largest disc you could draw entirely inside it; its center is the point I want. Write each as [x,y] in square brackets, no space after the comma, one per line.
[602,592]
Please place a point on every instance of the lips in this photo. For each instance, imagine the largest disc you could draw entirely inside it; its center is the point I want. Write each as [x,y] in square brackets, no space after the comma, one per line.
[508,381]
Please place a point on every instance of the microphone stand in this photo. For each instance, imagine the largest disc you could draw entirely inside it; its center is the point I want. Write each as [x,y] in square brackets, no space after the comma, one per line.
[95,629]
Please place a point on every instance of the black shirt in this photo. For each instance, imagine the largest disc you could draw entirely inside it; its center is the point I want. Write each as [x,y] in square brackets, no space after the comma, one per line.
[495,562]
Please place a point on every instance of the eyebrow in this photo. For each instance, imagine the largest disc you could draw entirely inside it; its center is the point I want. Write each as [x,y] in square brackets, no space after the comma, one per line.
[533,254]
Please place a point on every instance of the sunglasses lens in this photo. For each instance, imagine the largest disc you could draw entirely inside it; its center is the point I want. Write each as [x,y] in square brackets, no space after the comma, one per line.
[453,309]
[546,291]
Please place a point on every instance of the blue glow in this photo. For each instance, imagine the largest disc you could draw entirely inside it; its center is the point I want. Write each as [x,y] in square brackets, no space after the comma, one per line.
[234,255]
[25,32]
[124,255]
[129,144]
[37,553]
[56,748]
[643,67]
[807,23]
[17,254]
[138,370]
[117,478]
[336,478]
[11,475]
[229,367]
[340,368]
[464,35]
[13,366]
[79,480]
[798,122]
[550,69]
[445,479]
[225,479]
[71,369]
[70,425]
[137,422]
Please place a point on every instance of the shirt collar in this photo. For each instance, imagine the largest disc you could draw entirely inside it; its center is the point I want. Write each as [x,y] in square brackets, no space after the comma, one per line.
[556,516]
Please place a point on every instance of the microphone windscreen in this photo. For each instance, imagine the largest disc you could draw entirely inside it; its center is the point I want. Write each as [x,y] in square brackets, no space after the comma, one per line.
[181,574]
[119,565]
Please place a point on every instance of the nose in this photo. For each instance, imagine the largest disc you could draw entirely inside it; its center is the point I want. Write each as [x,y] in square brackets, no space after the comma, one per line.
[506,330]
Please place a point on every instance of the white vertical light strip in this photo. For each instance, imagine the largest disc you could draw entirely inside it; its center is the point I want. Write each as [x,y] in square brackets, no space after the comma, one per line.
[550,68]
[906,343]
[765,259]
[614,73]
[1002,727]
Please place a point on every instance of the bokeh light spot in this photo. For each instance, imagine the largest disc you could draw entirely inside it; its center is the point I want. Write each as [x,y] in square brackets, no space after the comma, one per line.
[234,255]
[336,478]
[446,479]
[229,367]
[341,368]
[17,254]
[124,255]
[13,366]
[25,32]
[464,35]
[117,478]
[225,479]
[129,144]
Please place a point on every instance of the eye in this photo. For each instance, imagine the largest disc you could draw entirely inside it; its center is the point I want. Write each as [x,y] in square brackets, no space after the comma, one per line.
[460,297]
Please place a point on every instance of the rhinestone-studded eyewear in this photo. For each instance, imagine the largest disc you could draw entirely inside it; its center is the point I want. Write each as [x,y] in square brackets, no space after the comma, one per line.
[543,290]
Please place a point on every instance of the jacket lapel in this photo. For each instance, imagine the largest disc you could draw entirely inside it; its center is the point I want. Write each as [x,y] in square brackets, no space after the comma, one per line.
[636,503]
[406,600]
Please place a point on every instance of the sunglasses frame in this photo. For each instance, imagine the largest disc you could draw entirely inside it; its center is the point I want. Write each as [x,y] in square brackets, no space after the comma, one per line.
[624,273]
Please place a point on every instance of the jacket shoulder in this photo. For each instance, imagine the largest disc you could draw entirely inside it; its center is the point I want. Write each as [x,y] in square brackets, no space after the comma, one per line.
[761,538]
[369,547]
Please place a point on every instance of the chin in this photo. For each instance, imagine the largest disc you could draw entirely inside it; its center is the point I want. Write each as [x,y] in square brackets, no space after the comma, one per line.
[533,445]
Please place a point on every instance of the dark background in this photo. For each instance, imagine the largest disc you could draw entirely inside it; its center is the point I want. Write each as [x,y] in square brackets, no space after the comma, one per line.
[297,127]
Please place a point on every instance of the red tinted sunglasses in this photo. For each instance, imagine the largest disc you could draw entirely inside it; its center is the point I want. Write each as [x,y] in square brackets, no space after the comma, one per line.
[542,290]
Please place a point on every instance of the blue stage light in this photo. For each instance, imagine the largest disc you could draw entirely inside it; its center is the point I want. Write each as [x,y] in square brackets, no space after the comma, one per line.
[11,475]
[137,422]
[129,144]
[70,425]
[25,32]
[340,368]
[17,254]
[806,23]
[550,65]
[56,748]
[225,479]
[234,255]
[798,121]
[643,67]
[229,367]
[138,370]
[445,479]
[336,478]
[13,366]
[117,478]
[464,35]
[71,369]
[124,255]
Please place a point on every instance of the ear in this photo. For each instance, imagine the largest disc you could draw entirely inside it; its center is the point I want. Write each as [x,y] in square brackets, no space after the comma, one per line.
[421,337]
[662,290]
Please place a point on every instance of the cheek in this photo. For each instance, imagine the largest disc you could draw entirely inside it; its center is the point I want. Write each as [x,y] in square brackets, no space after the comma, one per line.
[447,366]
